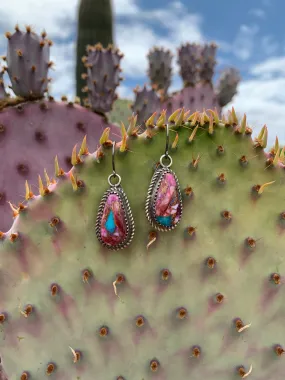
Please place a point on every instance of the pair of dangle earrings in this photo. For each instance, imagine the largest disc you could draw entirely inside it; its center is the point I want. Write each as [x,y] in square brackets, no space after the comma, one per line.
[115,226]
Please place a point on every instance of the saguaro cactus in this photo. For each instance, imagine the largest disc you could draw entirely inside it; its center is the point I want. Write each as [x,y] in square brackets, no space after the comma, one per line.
[95,25]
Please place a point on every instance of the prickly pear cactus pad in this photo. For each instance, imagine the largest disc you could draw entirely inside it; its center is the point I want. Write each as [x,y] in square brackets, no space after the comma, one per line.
[200,97]
[204,301]
[31,135]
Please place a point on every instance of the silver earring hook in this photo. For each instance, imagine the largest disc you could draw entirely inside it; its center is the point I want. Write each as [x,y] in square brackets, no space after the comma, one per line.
[113,158]
[167,141]
[166,154]
[114,174]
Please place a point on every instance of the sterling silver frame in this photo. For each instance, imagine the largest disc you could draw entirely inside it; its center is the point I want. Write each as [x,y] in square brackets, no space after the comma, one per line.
[129,220]
[152,197]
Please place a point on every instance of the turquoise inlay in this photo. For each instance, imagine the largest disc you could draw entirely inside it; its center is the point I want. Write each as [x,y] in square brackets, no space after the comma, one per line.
[110,223]
[165,220]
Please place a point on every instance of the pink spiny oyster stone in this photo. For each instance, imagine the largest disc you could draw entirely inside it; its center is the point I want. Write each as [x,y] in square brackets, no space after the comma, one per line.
[113,226]
[167,206]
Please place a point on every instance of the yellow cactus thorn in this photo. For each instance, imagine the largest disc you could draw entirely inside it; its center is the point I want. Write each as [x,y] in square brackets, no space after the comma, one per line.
[14,210]
[201,119]
[265,138]
[173,116]
[215,115]
[152,236]
[180,118]
[195,161]
[244,374]
[28,194]
[104,139]
[186,115]
[132,130]
[83,149]
[161,121]
[211,125]
[48,182]
[42,190]
[58,171]
[262,187]
[175,142]
[276,146]
[261,139]
[75,159]
[276,157]
[73,182]
[123,145]
[206,116]
[234,116]
[150,121]
[194,118]
[192,136]
[76,355]
[261,133]
[242,128]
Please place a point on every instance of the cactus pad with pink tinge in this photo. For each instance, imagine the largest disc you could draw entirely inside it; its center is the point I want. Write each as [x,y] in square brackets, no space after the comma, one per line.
[145,104]
[31,135]
[160,69]
[28,62]
[208,62]
[103,76]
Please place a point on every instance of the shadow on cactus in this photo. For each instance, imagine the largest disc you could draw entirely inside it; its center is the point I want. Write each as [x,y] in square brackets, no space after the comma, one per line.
[203,301]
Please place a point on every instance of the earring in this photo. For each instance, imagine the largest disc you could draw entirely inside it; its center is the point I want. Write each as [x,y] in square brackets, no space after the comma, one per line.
[115,224]
[164,201]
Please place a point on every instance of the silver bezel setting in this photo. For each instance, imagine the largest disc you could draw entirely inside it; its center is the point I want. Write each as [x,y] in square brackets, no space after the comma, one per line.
[152,197]
[129,220]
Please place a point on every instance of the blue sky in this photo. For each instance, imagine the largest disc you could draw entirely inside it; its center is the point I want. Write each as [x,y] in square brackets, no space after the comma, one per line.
[250,35]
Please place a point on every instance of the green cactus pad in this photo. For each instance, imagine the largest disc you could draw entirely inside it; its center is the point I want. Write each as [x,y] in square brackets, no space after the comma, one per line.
[204,301]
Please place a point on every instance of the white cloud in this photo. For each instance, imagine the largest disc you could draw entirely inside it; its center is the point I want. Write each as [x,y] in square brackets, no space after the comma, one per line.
[52,14]
[269,46]
[135,36]
[125,7]
[270,67]
[244,42]
[125,92]
[47,14]
[135,47]
[263,98]
[257,12]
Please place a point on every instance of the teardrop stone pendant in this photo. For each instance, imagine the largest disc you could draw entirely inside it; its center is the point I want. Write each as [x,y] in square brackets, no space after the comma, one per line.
[164,201]
[115,225]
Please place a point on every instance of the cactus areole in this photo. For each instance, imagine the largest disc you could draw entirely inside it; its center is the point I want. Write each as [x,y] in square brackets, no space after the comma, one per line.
[204,300]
